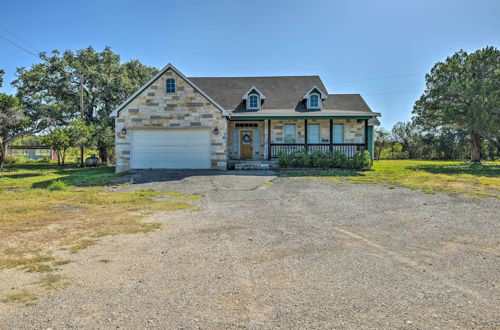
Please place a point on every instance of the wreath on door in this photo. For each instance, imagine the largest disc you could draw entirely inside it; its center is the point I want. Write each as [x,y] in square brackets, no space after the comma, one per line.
[247,138]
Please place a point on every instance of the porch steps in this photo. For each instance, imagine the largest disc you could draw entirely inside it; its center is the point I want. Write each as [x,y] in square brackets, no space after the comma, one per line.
[253,165]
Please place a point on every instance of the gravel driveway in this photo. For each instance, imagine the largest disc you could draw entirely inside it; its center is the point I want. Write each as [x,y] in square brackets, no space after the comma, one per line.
[296,253]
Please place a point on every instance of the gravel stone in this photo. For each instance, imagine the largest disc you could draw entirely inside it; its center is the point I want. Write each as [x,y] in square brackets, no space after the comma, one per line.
[295,254]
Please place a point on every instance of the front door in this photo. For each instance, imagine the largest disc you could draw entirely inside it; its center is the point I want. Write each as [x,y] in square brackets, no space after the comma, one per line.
[246,144]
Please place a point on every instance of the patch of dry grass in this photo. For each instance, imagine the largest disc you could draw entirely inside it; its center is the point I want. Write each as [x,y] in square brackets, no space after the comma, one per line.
[473,180]
[34,220]
[51,281]
[23,297]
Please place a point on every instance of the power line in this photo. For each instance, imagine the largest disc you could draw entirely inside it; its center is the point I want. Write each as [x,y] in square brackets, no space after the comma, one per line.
[376,78]
[20,39]
[384,93]
[18,46]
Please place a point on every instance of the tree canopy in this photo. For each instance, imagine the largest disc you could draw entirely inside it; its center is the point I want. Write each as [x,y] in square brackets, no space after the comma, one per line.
[51,88]
[463,92]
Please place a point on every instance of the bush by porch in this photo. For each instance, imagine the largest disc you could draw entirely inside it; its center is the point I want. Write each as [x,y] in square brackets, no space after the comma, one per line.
[319,159]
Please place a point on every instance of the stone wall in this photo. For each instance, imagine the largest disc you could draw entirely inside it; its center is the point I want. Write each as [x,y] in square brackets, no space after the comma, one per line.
[353,131]
[257,153]
[156,109]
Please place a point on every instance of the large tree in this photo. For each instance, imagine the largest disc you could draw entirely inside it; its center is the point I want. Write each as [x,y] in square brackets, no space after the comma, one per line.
[52,89]
[463,92]
[12,123]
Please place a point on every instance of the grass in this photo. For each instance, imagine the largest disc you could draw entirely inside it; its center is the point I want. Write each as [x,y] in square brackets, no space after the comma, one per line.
[22,297]
[51,281]
[36,219]
[473,180]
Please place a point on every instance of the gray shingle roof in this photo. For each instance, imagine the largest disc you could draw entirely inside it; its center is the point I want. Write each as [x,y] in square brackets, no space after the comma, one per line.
[283,95]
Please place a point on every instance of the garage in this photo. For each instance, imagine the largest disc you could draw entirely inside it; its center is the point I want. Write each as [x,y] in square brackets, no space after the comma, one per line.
[170,148]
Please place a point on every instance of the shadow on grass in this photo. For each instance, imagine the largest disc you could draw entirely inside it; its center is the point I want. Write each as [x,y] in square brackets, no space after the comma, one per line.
[487,170]
[319,173]
[21,175]
[81,177]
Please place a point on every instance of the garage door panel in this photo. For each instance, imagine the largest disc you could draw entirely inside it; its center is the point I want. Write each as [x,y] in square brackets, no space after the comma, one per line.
[174,148]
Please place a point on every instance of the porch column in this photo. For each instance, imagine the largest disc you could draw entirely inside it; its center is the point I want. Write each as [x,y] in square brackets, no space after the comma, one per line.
[366,134]
[331,134]
[305,134]
[269,139]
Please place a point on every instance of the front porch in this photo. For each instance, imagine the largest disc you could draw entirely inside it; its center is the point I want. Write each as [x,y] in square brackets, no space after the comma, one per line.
[265,139]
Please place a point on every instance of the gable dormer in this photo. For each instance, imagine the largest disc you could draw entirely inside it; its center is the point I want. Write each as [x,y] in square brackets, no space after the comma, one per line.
[253,98]
[314,97]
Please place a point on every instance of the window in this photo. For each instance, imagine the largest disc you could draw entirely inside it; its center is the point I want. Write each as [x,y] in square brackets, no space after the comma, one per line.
[290,133]
[313,133]
[314,101]
[253,102]
[170,86]
[338,133]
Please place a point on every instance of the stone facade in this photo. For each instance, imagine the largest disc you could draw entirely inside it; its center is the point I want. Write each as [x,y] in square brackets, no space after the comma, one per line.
[353,133]
[156,109]
[258,153]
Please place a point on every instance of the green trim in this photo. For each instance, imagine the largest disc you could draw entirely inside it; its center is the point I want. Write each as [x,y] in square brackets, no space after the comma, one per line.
[235,118]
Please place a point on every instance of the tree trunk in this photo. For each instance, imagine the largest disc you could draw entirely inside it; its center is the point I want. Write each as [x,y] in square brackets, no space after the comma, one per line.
[476,142]
[3,149]
[103,154]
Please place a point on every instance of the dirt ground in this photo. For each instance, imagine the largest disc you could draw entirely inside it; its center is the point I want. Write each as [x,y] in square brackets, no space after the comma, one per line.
[262,251]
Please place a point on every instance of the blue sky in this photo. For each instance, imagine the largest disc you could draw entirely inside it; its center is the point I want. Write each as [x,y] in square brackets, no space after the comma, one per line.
[345,42]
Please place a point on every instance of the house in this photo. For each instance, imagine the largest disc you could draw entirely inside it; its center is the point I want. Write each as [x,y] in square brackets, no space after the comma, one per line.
[196,123]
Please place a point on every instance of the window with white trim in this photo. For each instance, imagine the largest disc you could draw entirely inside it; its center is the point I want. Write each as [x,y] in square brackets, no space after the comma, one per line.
[290,133]
[338,133]
[253,102]
[170,86]
[313,133]
[314,101]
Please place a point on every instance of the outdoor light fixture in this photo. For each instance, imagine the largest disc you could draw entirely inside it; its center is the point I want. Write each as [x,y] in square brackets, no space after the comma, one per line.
[216,130]
[124,131]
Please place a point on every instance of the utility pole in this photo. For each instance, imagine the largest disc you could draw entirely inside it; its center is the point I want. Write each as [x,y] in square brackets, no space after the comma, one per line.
[81,114]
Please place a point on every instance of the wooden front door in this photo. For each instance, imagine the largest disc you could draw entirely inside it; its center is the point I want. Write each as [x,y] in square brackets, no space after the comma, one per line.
[246,144]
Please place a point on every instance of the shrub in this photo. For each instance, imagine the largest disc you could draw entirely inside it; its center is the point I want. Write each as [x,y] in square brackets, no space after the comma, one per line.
[9,159]
[318,159]
[339,160]
[361,160]
[284,159]
[57,185]
[300,159]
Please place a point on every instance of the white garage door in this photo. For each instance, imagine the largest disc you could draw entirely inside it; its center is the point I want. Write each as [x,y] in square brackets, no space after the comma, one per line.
[174,148]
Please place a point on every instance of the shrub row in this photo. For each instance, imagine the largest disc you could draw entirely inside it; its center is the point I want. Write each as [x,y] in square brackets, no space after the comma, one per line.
[319,159]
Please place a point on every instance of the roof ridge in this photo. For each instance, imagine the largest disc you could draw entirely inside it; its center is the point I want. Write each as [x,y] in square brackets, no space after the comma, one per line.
[300,76]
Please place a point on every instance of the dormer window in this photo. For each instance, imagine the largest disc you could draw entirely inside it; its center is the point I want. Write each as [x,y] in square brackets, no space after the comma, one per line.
[253,102]
[313,98]
[170,86]
[253,98]
[314,101]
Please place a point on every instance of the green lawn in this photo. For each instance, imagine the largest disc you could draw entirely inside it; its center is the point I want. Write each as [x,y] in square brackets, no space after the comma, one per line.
[474,180]
[45,207]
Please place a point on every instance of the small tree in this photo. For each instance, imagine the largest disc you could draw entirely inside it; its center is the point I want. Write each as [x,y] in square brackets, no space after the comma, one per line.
[80,134]
[59,139]
[463,92]
[408,135]
[382,141]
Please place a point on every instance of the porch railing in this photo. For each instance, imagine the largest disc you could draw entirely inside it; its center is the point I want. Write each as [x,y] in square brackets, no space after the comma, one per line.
[349,149]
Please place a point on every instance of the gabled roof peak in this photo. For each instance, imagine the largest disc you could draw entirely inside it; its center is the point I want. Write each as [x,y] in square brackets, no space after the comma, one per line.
[158,75]
[253,88]
[323,95]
